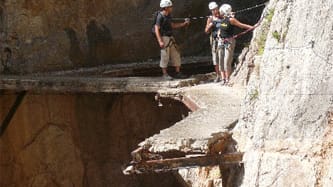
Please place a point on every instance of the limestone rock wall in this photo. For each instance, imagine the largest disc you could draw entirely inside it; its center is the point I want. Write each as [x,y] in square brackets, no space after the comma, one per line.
[54,35]
[37,36]
[80,140]
[285,128]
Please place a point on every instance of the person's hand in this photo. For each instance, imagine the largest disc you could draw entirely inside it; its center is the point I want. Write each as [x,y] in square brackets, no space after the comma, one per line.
[187,22]
[161,43]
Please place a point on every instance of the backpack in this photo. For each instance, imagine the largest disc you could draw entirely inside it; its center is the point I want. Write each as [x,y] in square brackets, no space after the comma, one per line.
[154,22]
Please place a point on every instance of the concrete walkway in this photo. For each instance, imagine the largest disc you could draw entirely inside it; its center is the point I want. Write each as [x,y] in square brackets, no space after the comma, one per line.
[215,108]
[218,111]
[93,84]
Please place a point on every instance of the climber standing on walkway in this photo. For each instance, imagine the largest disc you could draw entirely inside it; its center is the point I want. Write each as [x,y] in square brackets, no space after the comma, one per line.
[166,41]
[225,40]
[212,26]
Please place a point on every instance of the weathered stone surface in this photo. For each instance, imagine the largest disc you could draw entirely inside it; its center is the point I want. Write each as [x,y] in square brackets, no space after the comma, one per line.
[200,177]
[56,35]
[108,79]
[80,139]
[218,111]
[283,127]
[89,84]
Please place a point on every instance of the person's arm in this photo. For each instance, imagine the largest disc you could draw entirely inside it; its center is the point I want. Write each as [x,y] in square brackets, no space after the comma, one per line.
[179,25]
[158,36]
[237,23]
[209,25]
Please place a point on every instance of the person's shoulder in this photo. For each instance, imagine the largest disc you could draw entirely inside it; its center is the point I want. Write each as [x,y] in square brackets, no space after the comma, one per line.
[160,15]
[232,19]
[216,20]
[213,17]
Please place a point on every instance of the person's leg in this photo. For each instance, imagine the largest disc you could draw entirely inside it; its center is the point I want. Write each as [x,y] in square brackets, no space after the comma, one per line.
[221,63]
[176,60]
[165,57]
[215,58]
[229,58]
[164,71]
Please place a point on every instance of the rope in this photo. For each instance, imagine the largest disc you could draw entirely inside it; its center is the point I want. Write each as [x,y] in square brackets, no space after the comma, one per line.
[250,29]
[250,8]
[204,17]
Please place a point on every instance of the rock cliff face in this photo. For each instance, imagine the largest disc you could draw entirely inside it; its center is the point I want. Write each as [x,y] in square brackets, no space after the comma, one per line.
[285,128]
[56,35]
[80,140]
[286,123]
[53,35]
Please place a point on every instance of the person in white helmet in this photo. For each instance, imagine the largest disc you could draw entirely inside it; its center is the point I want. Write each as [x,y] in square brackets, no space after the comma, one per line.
[212,26]
[166,41]
[225,34]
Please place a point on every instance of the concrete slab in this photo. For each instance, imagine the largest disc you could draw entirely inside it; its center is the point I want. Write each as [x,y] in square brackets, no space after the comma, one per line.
[149,67]
[93,84]
[108,78]
[218,110]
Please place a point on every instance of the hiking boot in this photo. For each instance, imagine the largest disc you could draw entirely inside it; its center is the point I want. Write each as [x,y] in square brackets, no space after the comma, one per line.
[167,77]
[180,75]
[227,83]
[217,79]
[223,82]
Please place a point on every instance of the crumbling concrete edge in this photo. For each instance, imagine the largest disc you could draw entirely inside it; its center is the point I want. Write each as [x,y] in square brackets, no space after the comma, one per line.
[216,143]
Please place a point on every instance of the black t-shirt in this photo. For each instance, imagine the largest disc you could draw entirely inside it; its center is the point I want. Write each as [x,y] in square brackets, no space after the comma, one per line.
[216,27]
[227,30]
[164,22]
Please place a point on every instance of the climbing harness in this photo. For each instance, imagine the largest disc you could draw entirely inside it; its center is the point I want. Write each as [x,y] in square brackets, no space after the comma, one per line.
[225,42]
[171,42]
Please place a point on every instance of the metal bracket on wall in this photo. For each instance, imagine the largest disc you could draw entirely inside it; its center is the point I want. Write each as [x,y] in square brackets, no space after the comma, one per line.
[5,123]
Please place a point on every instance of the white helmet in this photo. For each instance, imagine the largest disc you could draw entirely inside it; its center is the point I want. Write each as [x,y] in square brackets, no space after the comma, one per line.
[212,5]
[165,3]
[225,9]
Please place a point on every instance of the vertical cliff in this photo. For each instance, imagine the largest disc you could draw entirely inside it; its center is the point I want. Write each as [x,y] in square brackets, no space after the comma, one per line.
[37,36]
[285,128]
[80,139]
[55,35]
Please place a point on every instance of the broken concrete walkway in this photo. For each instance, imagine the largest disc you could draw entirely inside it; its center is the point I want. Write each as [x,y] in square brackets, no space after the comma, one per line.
[203,138]
[217,111]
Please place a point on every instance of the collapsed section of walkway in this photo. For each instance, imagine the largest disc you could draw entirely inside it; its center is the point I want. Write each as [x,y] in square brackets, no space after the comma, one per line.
[204,138]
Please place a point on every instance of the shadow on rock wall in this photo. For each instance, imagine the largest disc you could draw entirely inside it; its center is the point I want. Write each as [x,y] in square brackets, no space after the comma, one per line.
[61,35]
[99,42]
